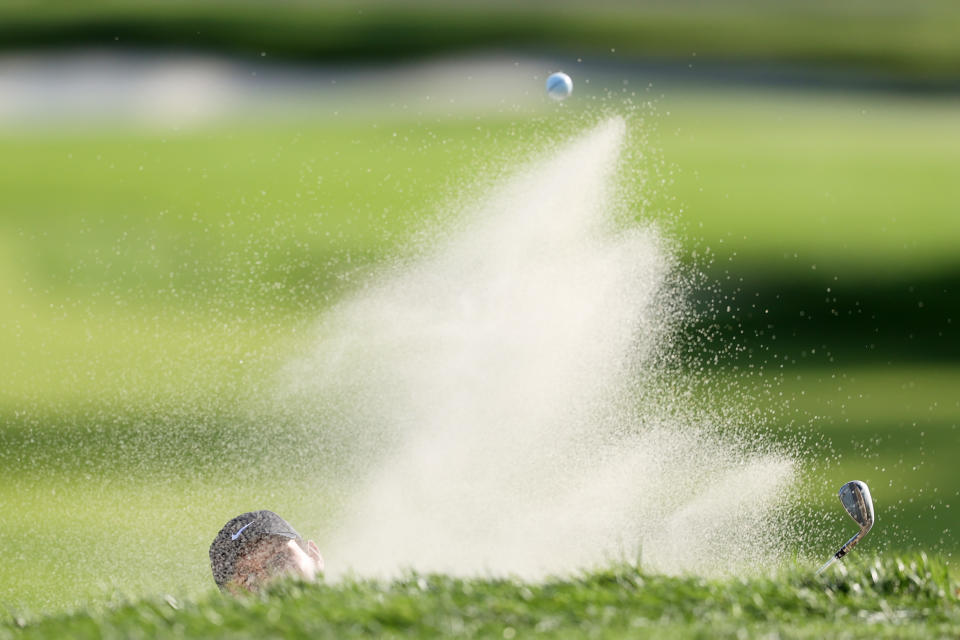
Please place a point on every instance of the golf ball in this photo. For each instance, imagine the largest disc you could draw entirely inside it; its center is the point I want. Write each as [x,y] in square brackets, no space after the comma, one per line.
[559,86]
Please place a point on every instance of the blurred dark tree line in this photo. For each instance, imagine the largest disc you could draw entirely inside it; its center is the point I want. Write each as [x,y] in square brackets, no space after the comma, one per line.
[916,41]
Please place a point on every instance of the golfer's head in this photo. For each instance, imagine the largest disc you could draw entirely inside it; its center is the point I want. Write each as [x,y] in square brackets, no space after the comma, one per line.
[257,547]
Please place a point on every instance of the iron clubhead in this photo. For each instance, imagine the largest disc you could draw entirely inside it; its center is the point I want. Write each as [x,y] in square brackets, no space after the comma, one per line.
[855,496]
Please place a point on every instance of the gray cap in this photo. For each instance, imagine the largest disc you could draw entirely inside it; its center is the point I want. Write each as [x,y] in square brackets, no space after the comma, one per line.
[240,534]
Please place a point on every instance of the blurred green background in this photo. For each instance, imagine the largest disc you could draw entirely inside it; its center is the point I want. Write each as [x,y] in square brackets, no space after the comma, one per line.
[158,260]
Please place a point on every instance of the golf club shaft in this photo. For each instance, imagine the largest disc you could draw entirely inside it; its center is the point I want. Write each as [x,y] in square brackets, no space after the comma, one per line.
[842,551]
[826,564]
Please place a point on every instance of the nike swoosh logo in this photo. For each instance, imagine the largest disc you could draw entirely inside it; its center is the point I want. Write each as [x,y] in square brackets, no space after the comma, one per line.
[240,530]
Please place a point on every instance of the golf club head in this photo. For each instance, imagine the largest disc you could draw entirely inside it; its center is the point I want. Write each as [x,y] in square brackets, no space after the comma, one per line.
[855,496]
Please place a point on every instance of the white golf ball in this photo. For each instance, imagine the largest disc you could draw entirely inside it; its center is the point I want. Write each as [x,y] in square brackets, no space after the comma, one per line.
[559,86]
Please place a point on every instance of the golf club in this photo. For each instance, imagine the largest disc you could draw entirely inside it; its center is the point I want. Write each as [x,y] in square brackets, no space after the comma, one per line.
[855,496]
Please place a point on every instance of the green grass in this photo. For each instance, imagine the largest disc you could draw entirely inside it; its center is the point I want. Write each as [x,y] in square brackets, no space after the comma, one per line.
[151,280]
[213,244]
[866,598]
[207,245]
[821,182]
[68,475]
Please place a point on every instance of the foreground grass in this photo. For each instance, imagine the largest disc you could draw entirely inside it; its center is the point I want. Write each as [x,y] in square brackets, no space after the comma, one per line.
[881,597]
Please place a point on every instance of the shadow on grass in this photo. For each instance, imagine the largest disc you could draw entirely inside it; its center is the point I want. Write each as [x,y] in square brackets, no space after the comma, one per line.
[802,318]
